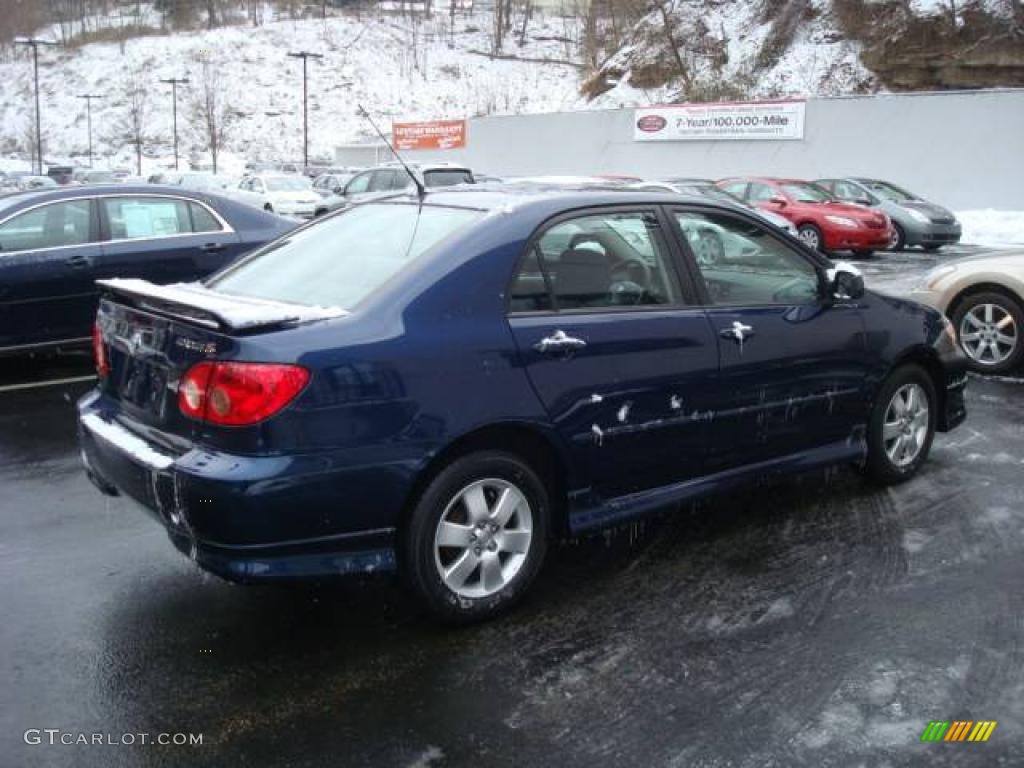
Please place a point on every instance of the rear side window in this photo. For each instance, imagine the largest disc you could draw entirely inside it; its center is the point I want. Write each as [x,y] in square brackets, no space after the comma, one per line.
[340,261]
[607,260]
[137,217]
[202,219]
[48,226]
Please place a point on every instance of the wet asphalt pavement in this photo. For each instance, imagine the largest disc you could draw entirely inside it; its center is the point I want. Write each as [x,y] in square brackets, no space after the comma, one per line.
[817,622]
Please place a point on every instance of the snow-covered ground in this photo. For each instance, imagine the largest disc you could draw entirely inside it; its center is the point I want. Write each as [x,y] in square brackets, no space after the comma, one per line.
[398,68]
[996,229]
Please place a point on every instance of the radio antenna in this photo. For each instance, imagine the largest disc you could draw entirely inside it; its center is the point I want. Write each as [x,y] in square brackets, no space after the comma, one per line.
[421,191]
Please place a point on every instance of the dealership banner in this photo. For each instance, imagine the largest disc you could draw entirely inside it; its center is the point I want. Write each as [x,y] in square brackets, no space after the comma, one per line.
[439,134]
[721,121]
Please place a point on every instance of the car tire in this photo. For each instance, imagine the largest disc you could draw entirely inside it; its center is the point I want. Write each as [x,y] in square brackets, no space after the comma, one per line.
[991,312]
[901,426]
[811,237]
[899,239]
[462,561]
[932,247]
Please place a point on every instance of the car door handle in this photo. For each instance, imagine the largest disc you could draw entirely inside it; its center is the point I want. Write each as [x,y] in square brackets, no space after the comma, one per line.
[211,248]
[79,261]
[738,332]
[559,341]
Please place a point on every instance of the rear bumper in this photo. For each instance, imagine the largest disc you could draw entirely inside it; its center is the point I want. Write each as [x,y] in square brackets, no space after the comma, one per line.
[235,516]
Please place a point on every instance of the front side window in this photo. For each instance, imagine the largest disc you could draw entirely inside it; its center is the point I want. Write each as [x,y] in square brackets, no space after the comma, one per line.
[744,264]
[358,185]
[49,226]
[343,259]
[135,217]
[612,259]
[761,193]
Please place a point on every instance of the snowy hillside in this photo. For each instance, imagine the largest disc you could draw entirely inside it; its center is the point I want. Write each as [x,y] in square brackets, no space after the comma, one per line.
[397,68]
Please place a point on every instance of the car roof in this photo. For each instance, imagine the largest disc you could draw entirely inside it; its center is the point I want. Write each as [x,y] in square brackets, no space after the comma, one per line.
[496,196]
[70,193]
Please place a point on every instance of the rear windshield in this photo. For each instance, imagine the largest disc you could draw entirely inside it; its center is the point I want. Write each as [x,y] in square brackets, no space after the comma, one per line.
[807,193]
[338,262]
[447,178]
[287,183]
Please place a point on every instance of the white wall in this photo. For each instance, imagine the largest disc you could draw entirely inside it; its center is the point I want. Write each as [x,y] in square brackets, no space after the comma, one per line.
[962,149]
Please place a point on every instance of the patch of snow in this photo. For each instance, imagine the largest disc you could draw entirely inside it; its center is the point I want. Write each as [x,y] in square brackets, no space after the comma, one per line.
[991,228]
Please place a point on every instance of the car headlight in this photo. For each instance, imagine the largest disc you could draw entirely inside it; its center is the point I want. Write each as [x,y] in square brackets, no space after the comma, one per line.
[917,215]
[842,221]
[932,278]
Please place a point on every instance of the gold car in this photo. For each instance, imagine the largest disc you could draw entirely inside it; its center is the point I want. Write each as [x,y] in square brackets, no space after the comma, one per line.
[984,297]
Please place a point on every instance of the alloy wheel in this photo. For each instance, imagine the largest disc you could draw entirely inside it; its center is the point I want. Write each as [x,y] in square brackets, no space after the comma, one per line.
[989,334]
[483,537]
[905,427]
[810,237]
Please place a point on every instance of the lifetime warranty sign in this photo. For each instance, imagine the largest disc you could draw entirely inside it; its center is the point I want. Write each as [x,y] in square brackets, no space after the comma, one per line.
[722,121]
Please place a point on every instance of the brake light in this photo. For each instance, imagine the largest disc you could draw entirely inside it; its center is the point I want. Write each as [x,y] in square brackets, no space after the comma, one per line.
[99,352]
[238,394]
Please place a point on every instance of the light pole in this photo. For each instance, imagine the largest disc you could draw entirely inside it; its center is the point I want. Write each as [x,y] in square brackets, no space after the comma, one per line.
[88,112]
[175,82]
[35,42]
[305,56]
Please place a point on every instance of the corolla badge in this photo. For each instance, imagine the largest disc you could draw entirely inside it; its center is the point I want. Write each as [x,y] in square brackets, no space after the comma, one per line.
[206,347]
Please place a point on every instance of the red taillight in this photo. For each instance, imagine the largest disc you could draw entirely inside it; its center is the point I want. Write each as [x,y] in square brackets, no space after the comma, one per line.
[99,352]
[238,394]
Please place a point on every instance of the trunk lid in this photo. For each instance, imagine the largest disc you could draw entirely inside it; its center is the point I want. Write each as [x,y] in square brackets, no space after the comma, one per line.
[153,334]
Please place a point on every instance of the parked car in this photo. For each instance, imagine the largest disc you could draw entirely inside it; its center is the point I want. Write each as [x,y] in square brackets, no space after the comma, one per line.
[432,387]
[984,297]
[915,221]
[164,177]
[392,177]
[26,183]
[286,194]
[91,176]
[62,174]
[209,182]
[708,189]
[328,184]
[55,243]
[822,222]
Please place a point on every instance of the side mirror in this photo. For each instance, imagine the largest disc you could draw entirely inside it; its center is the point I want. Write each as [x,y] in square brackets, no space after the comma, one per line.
[845,282]
[779,201]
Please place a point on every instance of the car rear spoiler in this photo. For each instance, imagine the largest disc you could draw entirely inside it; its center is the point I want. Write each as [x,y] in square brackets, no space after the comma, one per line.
[199,304]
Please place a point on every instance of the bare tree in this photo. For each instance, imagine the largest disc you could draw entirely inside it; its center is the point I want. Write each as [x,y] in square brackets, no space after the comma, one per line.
[666,9]
[211,109]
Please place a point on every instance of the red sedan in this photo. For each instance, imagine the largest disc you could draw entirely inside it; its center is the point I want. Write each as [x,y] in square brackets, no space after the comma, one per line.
[821,220]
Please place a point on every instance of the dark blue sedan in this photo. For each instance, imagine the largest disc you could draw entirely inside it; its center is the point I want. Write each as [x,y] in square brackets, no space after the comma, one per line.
[441,387]
[54,244]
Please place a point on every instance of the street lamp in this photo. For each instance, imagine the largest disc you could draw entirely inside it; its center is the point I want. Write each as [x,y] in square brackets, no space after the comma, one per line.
[88,111]
[175,82]
[35,42]
[305,56]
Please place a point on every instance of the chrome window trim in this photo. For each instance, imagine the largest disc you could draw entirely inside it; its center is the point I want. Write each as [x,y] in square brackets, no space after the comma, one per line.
[225,226]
